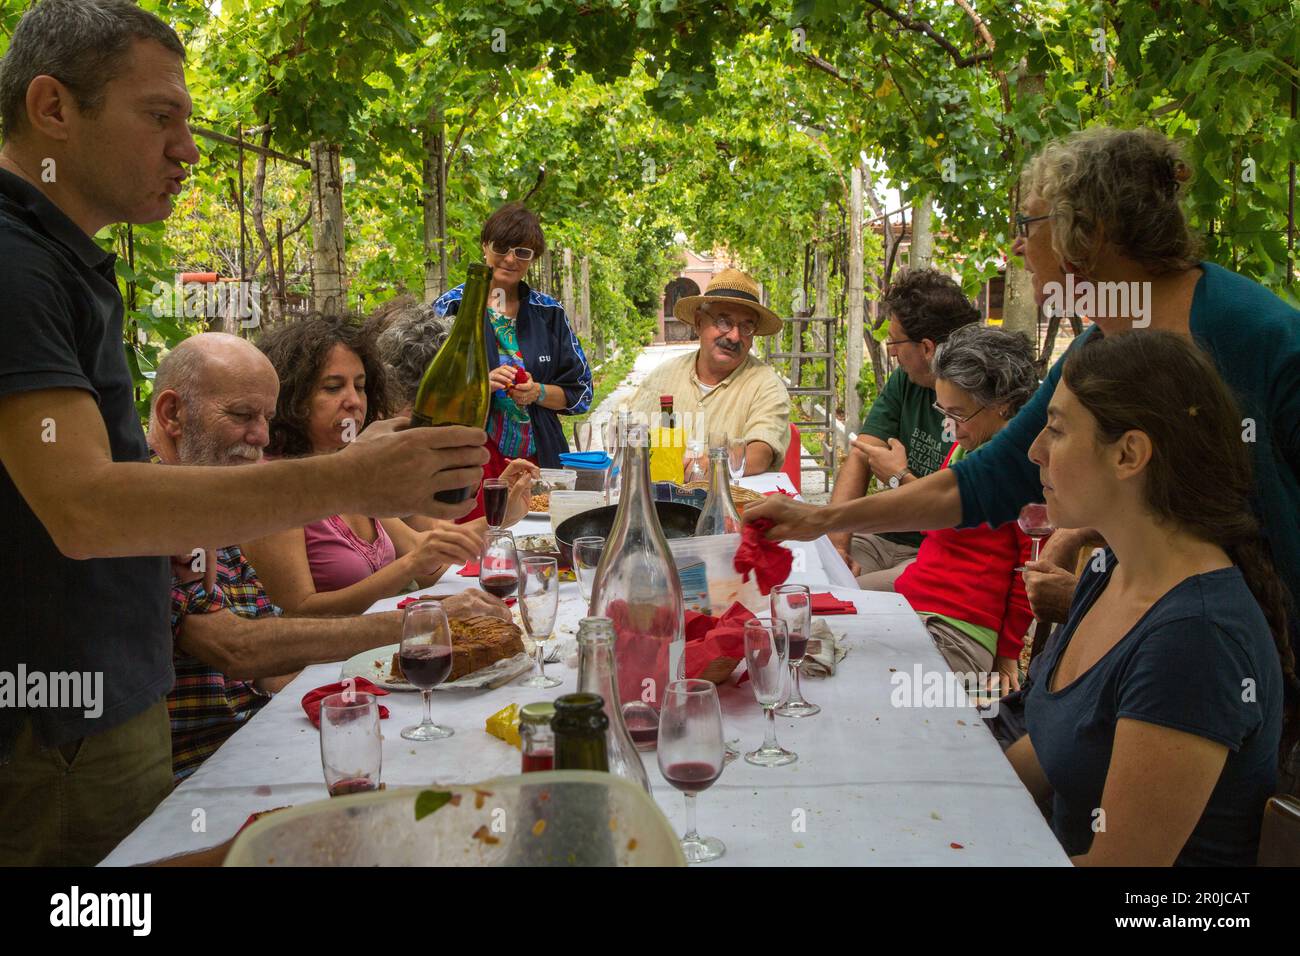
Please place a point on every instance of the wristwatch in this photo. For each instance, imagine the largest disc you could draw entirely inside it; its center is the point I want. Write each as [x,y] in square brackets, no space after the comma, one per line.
[896,480]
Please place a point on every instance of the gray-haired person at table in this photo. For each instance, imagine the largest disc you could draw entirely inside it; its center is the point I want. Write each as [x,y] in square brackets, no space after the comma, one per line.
[95,112]
[1103,208]
[1156,721]
[214,396]
[902,438]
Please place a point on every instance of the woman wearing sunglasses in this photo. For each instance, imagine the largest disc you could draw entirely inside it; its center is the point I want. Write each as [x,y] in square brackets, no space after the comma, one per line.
[539,371]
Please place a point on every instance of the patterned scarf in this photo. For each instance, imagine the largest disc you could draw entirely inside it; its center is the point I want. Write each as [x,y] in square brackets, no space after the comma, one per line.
[508,424]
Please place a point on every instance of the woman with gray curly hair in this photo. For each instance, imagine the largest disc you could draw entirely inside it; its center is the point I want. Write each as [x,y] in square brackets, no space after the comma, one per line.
[964,582]
[1103,233]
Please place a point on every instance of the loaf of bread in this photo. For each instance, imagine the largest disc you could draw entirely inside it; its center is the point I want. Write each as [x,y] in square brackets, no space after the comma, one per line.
[476,642]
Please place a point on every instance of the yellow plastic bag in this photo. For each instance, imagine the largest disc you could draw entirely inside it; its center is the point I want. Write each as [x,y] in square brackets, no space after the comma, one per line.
[504,724]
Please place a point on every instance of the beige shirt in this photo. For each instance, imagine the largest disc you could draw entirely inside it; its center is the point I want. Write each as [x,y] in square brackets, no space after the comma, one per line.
[750,403]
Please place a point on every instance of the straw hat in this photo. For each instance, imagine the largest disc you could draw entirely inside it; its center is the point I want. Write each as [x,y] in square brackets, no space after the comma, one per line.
[729,285]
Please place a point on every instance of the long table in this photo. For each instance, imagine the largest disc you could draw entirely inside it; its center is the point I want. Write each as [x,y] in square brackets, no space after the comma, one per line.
[875,783]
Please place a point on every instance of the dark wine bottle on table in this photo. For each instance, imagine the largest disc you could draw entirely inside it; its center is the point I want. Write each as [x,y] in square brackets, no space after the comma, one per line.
[455,389]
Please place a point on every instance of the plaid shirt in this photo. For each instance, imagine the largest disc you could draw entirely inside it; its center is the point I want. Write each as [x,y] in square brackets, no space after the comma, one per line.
[205,706]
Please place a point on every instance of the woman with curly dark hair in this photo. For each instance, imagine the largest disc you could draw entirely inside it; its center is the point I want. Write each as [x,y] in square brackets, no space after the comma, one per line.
[332,385]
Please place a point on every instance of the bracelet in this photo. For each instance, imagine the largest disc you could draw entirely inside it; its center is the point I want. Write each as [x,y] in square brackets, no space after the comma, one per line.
[541,393]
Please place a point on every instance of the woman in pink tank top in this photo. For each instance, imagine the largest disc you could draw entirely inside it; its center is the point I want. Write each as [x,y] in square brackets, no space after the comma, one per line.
[332,384]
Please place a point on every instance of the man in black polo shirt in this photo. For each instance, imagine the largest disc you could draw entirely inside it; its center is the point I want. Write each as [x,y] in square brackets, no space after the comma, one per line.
[94,111]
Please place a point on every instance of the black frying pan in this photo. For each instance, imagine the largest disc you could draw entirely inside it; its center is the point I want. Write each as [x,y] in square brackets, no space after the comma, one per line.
[678,521]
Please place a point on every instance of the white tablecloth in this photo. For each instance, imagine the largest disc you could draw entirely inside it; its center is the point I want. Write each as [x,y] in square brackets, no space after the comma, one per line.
[874,783]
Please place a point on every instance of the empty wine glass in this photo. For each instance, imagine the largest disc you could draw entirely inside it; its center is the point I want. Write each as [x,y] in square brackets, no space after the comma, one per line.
[582,436]
[351,749]
[539,599]
[425,657]
[1035,523]
[498,570]
[586,557]
[766,659]
[736,458]
[691,753]
[792,604]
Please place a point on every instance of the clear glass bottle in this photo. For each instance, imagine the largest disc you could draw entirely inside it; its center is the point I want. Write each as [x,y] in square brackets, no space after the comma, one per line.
[637,588]
[719,515]
[598,674]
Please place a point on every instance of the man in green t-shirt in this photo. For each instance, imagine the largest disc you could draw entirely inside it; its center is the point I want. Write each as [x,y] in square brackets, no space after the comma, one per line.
[902,438]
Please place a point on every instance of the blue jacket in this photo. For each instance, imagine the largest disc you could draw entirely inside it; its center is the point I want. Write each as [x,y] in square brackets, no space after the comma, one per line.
[552,356]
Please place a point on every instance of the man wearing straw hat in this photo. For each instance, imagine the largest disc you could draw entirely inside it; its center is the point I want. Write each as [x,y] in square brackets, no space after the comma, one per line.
[722,387]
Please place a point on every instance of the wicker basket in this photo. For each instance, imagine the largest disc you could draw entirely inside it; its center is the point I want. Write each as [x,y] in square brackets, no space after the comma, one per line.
[719,670]
[742,497]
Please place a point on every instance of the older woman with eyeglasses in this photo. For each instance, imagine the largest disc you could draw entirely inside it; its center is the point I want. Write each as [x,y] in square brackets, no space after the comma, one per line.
[539,370]
[1102,218]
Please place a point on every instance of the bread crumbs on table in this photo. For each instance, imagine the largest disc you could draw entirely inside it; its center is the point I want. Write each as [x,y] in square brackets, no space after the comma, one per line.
[956,846]
[961,723]
[935,816]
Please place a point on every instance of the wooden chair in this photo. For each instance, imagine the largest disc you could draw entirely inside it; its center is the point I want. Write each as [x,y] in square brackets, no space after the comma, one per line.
[1279,835]
[793,464]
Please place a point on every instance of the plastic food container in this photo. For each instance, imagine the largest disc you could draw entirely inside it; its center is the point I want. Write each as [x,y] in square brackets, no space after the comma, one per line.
[566,504]
[556,478]
[710,581]
[551,818]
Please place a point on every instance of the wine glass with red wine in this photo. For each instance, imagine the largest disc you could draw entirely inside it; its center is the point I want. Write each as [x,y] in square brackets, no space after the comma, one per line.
[496,494]
[498,569]
[792,604]
[691,753]
[539,601]
[1034,522]
[425,657]
[350,745]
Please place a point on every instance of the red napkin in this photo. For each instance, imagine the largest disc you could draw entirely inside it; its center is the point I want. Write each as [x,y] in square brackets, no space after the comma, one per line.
[769,561]
[469,571]
[827,603]
[404,602]
[312,699]
[708,638]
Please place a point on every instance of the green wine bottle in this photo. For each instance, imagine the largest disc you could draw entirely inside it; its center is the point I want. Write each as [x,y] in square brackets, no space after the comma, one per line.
[580,726]
[455,389]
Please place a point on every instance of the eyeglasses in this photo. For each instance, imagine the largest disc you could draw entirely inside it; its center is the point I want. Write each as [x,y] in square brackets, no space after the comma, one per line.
[889,342]
[522,253]
[725,325]
[1023,221]
[959,419]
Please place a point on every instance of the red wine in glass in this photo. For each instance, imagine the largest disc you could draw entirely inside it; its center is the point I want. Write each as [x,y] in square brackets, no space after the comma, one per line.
[692,776]
[1034,522]
[642,725]
[499,585]
[798,646]
[538,760]
[352,785]
[425,665]
[494,503]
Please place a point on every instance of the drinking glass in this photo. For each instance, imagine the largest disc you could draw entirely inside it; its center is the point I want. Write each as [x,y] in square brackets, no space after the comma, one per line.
[766,660]
[1034,522]
[351,749]
[582,436]
[586,557]
[691,754]
[498,570]
[792,605]
[539,598]
[736,458]
[496,494]
[425,657]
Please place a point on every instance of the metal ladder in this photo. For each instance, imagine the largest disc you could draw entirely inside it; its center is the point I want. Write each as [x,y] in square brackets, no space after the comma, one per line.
[799,361]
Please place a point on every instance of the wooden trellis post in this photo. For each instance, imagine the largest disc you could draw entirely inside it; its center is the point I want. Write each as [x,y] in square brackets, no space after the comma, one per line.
[329,272]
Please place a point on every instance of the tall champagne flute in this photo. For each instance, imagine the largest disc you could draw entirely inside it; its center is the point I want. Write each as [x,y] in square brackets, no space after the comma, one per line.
[1036,524]
[792,604]
[351,749]
[496,497]
[425,657]
[539,600]
[766,658]
[582,436]
[691,754]
[498,570]
[736,458]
